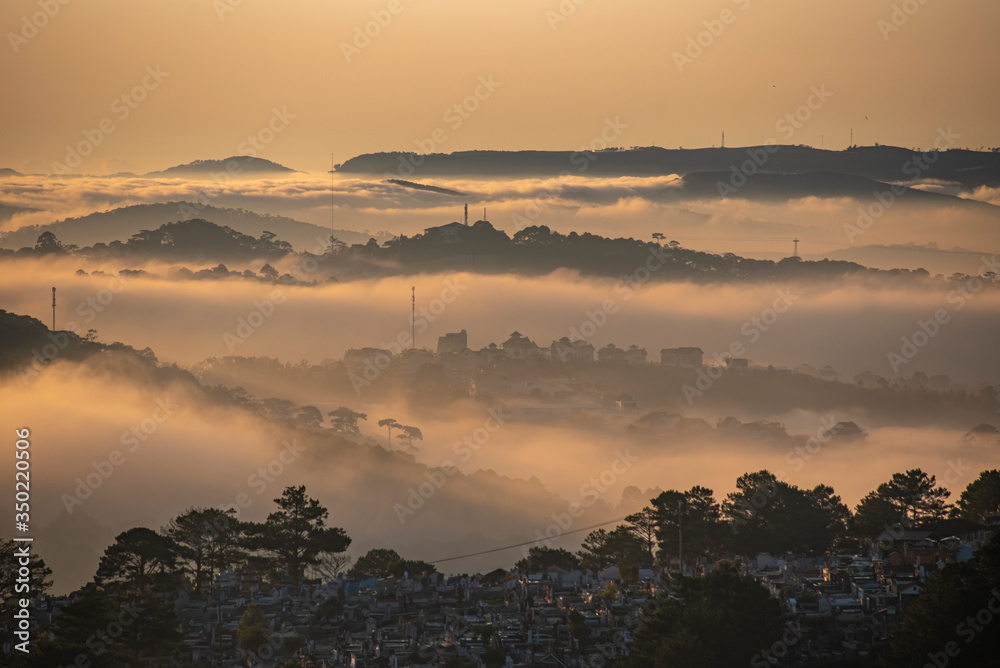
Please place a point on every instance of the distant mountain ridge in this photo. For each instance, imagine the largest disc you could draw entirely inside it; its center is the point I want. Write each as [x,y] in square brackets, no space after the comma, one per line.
[764,186]
[881,163]
[122,223]
[235,166]
[7,211]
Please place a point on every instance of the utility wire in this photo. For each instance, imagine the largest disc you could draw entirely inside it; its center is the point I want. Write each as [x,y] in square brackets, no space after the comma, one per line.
[530,542]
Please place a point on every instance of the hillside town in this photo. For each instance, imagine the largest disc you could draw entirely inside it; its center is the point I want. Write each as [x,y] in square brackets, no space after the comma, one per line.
[835,607]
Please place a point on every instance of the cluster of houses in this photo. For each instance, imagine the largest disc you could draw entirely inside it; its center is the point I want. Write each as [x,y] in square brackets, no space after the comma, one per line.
[865,596]
[454,353]
[407,622]
[527,619]
[519,347]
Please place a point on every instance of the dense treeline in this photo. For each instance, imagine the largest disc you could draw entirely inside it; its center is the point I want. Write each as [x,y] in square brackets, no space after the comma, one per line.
[181,240]
[725,615]
[479,247]
[766,514]
[141,573]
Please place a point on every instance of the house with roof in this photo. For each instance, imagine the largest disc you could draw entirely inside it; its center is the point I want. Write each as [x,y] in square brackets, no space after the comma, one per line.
[491,353]
[847,431]
[611,353]
[462,365]
[982,433]
[635,355]
[684,358]
[565,350]
[543,388]
[452,342]
[360,360]
[449,233]
[737,364]
[520,347]
[411,361]
[626,402]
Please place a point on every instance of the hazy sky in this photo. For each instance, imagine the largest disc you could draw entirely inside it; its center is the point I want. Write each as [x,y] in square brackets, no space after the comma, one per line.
[558,70]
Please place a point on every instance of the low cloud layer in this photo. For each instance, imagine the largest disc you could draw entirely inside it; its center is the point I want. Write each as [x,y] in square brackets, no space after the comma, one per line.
[853,326]
[627,206]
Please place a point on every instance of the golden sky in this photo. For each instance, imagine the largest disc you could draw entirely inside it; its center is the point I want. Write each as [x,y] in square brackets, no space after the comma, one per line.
[295,75]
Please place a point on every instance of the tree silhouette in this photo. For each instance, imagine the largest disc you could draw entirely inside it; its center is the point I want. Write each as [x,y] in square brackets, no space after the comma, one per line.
[701,521]
[254,630]
[108,630]
[540,558]
[375,563]
[873,515]
[391,424]
[296,536]
[39,575]
[407,434]
[208,540]
[981,499]
[309,417]
[140,561]
[643,526]
[619,547]
[914,496]
[269,272]
[48,243]
[722,619]
[381,562]
[949,614]
[345,421]
[767,514]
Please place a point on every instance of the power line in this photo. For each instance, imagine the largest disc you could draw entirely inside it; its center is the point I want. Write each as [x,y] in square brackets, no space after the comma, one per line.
[825,243]
[530,542]
[828,243]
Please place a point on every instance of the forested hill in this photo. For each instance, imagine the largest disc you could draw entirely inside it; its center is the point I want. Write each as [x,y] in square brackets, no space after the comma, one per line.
[881,163]
[479,248]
